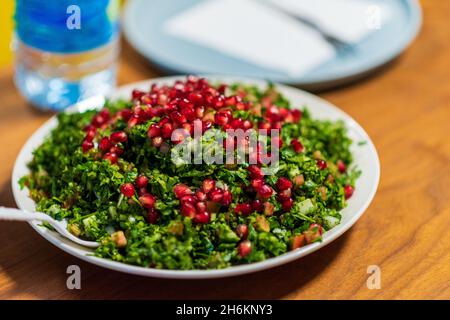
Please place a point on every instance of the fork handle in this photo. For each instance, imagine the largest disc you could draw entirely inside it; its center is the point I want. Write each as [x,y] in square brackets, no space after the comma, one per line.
[11,214]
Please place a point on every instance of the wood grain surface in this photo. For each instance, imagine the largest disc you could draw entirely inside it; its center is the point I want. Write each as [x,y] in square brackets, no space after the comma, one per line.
[405,108]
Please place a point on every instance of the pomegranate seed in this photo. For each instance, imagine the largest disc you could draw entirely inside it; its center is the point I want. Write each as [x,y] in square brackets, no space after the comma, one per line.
[125,114]
[142,191]
[178,118]
[265,191]
[195,98]
[141,113]
[257,184]
[90,134]
[189,113]
[227,198]
[104,144]
[219,102]
[201,196]
[257,205]
[283,184]
[157,142]
[117,150]
[182,190]
[185,104]
[255,172]
[247,124]
[208,185]
[98,120]
[141,181]
[296,115]
[149,99]
[187,199]
[87,145]
[152,216]
[188,210]
[273,113]
[154,131]
[137,94]
[200,206]
[264,126]
[231,101]
[162,99]
[163,121]
[287,204]
[134,120]
[202,218]
[283,113]
[289,118]
[348,191]
[321,164]
[341,166]
[119,136]
[209,97]
[147,201]
[243,208]
[237,123]
[111,157]
[268,208]
[221,118]
[245,248]
[216,195]
[297,145]
[276,125]
[241,106]
[284,195]
[222,88]
[166,130]
[127,190]
[242,231]
[89,127]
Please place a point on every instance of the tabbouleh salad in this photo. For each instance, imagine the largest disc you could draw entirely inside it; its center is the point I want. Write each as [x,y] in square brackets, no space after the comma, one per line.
[110,174]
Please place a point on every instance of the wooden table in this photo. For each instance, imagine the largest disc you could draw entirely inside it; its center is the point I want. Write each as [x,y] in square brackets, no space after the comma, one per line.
[406,111]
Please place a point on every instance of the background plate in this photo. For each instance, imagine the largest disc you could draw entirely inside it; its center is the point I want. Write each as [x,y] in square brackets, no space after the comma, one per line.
[366,159]
[143,22]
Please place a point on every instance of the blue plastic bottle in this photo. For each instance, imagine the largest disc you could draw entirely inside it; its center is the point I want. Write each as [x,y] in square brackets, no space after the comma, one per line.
[65,50]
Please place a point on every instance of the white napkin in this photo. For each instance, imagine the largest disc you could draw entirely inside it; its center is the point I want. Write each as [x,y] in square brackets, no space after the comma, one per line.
[256,33]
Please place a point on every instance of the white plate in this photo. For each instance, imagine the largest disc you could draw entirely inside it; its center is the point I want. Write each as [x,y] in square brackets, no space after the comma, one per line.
[366,159]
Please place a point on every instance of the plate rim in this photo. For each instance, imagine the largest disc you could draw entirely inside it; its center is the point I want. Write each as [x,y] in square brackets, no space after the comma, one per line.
[285,258]
[309,81]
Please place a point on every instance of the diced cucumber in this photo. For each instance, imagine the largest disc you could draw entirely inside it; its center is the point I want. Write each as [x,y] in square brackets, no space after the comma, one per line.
[306,206]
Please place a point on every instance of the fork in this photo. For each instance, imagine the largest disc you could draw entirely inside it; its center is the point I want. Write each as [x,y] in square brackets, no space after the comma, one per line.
[340,45]
[11,214]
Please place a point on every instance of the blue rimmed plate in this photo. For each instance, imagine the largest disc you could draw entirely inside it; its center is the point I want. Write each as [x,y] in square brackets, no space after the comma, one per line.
[143,27]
